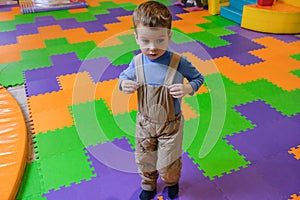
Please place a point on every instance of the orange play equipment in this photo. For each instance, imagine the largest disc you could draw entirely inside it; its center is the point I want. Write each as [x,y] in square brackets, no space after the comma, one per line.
[13,145]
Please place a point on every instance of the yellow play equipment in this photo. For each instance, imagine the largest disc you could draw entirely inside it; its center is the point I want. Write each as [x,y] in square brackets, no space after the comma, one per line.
[283,17]
[215,5]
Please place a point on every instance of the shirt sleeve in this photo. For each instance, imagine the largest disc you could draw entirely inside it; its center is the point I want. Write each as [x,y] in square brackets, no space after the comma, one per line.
[195,78]
[127,74]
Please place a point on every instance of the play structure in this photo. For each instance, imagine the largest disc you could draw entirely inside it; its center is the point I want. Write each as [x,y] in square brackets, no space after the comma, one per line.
[282,17]
[32,6]
[13,145]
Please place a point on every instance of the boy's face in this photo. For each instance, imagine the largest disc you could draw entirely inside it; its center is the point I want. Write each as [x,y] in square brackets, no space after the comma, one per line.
[153,42]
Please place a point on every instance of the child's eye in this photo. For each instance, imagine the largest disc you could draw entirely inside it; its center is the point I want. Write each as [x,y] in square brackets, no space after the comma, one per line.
[160,40]
[145,41]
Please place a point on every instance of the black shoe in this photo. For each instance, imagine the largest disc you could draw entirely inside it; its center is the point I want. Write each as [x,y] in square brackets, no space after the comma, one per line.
[173,191]
[147,195]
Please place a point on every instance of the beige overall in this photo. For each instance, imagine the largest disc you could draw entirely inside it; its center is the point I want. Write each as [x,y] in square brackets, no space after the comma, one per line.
[158,131]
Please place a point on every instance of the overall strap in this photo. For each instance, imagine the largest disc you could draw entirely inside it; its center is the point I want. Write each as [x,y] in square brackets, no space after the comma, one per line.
[138,62]
[172,69]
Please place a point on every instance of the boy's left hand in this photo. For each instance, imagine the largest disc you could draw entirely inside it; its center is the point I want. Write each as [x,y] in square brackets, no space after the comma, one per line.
[180,90]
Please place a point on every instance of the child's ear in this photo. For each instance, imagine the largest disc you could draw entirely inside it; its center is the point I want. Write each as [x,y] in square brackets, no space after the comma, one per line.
[170,35]
[136,36]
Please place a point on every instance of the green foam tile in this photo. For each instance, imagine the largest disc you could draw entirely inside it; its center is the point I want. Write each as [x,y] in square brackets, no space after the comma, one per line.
[128,6]
[83,16]
[31,187]
[220,31]
[96,10]
[126,123]
[108,5]
[222,159]
[125,51]
[24,19]
[296,72]
[180,37]
[283,101]
[296,56]
[84,50]
[57,142]
[11,75]
[95,123]
[6,26]
[220,21]
[57,41]
[208,39]
[65,169]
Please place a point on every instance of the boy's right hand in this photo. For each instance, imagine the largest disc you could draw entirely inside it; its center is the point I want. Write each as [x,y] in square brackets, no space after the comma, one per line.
[129,86]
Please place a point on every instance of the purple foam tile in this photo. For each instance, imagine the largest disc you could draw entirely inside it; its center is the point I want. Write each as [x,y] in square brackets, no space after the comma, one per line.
[45,21]
[254,34]
[176,10]
[259,112]
[245,58]
[7,38]
[281,172]
[193,184]
[43,86]
[111,160]
[93,26]
[246,33]
[66,63]
[296,118]
[112,72]
[266,140]
[39,73]
[26,29]
[246,184]
[269,137]
[7,8]
[194,47]
[238,46]
[69,23]
[101,69]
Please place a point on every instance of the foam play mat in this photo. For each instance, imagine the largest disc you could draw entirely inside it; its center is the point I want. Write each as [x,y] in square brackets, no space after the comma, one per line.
[241,134]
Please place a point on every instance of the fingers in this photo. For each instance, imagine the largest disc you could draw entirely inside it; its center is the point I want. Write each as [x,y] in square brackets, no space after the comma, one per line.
[176,90]
[129,86]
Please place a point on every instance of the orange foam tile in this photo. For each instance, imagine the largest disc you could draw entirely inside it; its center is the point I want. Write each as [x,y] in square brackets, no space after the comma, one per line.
[10,15]
[235,71]
[44,102]
[295,197]
[296,152]
[51,120]
[77,35]
[188,112]
[186,27]
[29,42]
[205,67]
[71,81]
[125,24]
[274,48]
[78,10]
[194,17]
[10,53]
[118,102]
[136,2]
[51,32]
[93,3]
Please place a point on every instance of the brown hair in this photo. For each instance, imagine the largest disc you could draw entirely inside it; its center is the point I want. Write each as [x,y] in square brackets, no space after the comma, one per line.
[152,14]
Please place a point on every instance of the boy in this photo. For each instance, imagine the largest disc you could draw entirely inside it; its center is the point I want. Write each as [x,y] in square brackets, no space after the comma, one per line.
[157,76]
